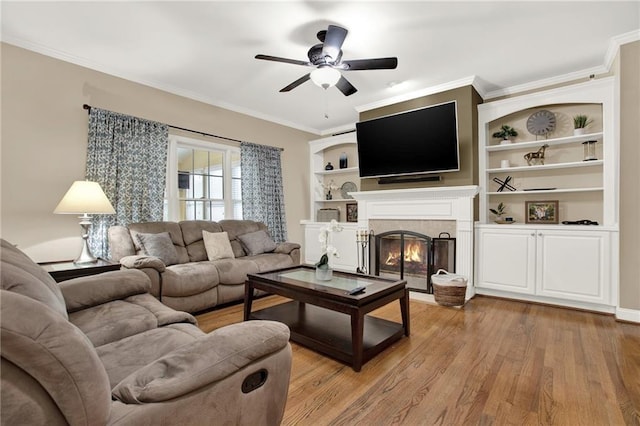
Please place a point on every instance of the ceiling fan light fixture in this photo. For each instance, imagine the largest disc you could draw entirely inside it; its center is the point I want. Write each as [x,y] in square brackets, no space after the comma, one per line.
[325,77]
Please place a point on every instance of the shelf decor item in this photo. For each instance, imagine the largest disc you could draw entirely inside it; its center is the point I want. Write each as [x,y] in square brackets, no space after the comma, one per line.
[505,133]
[541,212]
[589,150]
[323,268]
[346,188]
[328,187]
[343,160]
[536,157]
[580,122]
[499,211]
[329,166]
[541,123]
[352,212]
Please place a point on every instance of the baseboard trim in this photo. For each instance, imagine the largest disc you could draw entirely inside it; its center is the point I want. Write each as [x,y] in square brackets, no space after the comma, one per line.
[628,315]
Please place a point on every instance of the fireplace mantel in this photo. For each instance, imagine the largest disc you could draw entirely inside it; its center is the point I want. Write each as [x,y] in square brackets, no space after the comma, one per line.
[441,203]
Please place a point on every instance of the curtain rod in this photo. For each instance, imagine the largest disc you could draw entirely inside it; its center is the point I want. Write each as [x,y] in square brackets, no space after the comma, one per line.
[88,108]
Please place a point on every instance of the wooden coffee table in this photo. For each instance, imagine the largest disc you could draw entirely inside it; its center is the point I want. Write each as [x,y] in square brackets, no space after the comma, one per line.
[324,317]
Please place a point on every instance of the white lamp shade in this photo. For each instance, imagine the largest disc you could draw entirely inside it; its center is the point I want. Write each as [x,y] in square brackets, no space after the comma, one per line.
[84,197]
[325,77]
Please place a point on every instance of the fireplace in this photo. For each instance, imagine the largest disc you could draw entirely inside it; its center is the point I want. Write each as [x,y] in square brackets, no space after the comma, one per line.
[413,256]
[424,206]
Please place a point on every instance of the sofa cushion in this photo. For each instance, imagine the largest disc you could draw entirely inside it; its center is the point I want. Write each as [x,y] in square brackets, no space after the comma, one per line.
[174,230]
[240,227]
[113,321]
[271,261]
[20,274]
[186,279]
[123,357]
[257,242]
[234,271]
[160,246]
[192,236]
[217,245]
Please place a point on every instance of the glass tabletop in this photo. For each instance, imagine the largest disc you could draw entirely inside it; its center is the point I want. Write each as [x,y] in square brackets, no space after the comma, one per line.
[339,282]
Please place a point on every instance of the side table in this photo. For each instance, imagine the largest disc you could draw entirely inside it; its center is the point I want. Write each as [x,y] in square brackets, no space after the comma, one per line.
[66,270]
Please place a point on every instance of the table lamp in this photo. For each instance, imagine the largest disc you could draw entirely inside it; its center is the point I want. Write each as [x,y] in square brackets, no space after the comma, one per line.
[83,198]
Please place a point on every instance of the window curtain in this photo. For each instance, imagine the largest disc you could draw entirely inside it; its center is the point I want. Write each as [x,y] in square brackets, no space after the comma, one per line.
[127,156]
[262,191]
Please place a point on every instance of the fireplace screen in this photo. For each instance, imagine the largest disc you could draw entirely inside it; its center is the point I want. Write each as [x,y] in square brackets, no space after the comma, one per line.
[413,257]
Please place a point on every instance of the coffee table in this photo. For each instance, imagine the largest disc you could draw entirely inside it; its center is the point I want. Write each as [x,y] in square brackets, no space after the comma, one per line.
[324,317]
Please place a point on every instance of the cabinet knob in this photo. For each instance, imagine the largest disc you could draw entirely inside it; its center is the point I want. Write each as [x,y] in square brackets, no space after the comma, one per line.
[533,234]
[540,234]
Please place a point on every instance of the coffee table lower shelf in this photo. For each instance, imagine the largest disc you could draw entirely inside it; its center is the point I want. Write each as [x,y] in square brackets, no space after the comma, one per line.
[329,332]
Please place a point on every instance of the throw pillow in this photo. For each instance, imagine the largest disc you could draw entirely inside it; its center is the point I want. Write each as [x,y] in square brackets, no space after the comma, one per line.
[217,245]
[257,243]
[160,246]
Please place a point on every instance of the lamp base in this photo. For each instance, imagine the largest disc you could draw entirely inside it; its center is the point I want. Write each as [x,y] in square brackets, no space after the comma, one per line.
[85,256]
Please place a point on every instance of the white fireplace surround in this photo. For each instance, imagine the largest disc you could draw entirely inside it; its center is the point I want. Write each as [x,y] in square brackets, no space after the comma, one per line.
[442,203]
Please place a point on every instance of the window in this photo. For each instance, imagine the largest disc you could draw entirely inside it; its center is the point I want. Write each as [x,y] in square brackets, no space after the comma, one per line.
[203,181]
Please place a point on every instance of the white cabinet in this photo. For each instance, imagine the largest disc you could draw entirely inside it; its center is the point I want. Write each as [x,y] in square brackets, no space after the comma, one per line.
[562,266]
[506,260]
[344,241]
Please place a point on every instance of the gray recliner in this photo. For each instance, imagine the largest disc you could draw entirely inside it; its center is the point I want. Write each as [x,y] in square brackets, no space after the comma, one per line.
[101,350]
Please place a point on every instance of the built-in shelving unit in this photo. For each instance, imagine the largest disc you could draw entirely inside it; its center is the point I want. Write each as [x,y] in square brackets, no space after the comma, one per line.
[551,263]
[328,150]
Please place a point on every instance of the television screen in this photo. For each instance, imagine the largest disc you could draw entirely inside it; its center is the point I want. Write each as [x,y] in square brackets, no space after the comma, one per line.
[414,142]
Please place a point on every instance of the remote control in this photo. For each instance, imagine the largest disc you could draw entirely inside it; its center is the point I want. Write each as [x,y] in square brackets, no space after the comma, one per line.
[356,290]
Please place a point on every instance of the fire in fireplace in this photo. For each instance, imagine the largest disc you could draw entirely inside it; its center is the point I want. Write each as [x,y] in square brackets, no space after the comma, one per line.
[412,256]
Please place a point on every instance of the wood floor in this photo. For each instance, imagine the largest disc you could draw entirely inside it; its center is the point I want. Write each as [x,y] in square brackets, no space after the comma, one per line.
[493,362]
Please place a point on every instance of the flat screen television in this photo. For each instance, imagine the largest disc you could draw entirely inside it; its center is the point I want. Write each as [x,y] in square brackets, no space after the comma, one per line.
[415,142]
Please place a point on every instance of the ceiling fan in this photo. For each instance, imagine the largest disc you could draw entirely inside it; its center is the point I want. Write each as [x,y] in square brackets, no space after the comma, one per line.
[327,58]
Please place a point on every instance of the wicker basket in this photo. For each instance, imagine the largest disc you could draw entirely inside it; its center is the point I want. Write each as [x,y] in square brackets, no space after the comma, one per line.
[449,289]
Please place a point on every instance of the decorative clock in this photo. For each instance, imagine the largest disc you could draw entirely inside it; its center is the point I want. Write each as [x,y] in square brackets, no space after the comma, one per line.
[541,122]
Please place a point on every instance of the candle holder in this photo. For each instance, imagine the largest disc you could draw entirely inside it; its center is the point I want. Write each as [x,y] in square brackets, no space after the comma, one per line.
[362,242]
[589,150]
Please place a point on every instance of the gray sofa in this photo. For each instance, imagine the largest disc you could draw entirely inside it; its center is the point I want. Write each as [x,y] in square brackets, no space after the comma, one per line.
[101,350]
[186,279]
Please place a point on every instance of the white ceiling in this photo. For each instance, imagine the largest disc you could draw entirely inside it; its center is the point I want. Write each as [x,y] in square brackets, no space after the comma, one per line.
[205,50]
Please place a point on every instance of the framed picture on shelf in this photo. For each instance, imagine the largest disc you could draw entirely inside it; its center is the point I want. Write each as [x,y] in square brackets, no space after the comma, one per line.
[541,212]
[352,212]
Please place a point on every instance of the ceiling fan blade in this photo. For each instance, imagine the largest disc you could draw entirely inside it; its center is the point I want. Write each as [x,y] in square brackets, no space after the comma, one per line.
[369,64]
[345,87]
[285,60]
[333,42]
[296,83]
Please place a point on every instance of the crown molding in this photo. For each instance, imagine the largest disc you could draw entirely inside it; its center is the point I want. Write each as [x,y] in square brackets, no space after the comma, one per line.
[99,67]
[612,52]
[467,81]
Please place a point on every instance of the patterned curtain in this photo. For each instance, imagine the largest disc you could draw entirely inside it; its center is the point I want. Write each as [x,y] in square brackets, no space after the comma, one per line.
[127,156]
[262,192]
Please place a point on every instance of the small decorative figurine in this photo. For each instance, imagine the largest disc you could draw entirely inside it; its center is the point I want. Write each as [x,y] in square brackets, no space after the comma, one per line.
[537,156]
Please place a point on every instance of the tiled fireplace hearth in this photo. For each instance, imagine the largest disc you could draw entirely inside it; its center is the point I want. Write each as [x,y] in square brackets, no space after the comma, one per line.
[428,211]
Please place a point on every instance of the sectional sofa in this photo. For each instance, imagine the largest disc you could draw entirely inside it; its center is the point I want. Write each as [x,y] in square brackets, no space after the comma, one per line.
[195,265]
[101,350]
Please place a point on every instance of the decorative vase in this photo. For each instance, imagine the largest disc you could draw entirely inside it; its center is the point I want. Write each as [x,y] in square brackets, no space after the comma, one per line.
[579,132]
[329,166]
[343,160]
[324,274]
[505,141]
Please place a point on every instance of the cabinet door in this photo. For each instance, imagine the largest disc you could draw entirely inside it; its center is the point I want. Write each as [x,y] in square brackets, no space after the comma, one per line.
[573,265]
[506,260]
[344,241]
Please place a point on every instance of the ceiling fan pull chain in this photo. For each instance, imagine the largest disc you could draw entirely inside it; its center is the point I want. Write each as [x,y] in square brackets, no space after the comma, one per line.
[326,104]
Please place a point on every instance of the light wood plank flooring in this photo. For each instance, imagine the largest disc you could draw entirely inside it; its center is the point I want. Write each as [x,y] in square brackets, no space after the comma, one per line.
[493,362]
